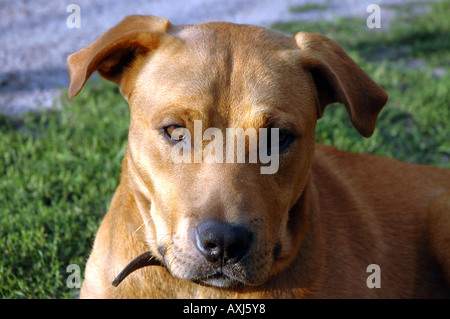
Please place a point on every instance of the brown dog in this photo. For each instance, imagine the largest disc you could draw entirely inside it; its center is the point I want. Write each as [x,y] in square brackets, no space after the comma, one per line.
[327,224]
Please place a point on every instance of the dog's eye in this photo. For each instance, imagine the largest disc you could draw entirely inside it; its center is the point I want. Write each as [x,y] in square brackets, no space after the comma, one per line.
[175,133]
[285,139]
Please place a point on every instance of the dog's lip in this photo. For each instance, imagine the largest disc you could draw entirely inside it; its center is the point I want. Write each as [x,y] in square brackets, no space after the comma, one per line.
[217,279]
[143,260]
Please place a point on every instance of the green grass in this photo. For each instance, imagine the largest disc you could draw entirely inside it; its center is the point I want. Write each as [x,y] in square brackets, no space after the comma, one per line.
[59,169]
[308,7]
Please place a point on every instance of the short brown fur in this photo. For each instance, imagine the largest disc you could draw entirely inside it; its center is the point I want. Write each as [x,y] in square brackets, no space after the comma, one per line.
[331,213]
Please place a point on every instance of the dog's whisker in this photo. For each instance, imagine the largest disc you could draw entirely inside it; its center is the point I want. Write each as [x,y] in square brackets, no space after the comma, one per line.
[145,222]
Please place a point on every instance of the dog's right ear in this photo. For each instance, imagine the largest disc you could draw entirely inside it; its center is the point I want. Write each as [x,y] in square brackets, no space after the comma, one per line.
[115,50]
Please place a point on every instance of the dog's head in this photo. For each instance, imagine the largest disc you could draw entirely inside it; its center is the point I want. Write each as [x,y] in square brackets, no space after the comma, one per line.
[208,216]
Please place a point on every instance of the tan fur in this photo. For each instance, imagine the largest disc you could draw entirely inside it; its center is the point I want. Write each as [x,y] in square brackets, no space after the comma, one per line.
[333,213]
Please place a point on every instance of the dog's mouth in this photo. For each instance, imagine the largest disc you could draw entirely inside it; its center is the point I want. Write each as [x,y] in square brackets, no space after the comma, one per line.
[216,279]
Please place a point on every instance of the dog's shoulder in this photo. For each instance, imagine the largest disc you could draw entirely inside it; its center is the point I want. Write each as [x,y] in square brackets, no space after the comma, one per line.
[377,177]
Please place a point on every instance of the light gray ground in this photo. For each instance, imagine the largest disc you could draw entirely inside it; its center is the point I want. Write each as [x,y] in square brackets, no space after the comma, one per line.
[35,39]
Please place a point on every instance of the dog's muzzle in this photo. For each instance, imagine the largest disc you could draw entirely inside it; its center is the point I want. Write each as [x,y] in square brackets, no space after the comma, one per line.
[220,245]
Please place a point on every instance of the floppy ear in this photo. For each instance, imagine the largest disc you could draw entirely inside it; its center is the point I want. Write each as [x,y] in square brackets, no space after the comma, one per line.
[339,79]
[115,50]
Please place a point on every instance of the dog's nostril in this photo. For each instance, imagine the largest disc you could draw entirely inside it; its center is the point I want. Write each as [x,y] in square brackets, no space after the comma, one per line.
[222,241]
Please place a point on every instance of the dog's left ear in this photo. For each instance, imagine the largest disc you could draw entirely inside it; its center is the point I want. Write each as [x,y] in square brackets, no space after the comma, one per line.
[115,50]
[339,79]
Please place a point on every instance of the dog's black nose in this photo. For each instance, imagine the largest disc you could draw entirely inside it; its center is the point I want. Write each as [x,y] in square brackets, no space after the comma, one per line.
[222,241]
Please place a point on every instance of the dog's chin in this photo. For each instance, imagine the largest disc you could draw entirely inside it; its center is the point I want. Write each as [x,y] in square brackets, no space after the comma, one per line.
[219,280]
